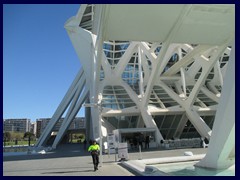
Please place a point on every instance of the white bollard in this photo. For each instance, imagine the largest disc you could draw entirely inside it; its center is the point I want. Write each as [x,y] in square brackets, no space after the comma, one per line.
[140,152]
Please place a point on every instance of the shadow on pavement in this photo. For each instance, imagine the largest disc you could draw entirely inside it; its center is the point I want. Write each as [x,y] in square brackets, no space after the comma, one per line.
[63,172]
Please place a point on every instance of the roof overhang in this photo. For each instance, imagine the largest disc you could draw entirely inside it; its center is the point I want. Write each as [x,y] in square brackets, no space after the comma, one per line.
[203,23]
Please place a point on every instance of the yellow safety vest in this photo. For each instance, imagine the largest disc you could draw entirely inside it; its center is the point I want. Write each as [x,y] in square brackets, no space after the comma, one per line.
[94,147]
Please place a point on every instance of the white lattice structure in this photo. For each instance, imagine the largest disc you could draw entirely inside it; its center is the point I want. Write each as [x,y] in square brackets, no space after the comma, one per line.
[156,66]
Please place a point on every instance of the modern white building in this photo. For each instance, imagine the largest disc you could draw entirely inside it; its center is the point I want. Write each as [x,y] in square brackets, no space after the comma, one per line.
[165,70]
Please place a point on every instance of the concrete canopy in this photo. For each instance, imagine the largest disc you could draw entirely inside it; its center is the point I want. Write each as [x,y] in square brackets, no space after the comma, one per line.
[154,22]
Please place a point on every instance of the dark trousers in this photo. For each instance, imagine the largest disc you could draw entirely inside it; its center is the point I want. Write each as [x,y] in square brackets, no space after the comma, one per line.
[146,145]
[95,159]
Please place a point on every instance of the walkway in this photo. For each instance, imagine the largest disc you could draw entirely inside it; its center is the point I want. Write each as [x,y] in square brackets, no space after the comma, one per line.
[72,160]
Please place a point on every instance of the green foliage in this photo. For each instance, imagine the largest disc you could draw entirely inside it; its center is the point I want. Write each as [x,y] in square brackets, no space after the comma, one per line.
[82,136]
[7,136]
[12,143]
[77,137]
[17,135]
[17,138]
[28,134]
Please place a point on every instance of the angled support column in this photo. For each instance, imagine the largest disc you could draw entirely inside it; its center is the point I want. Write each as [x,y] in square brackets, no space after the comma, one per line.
[163,56]
[60,110]
[189,58]
[68,120]
[146,115]
[121,65]
[198,123]
[191,113]
[210,94]
[64,124]
[180,126]
[149,121]
[193,116]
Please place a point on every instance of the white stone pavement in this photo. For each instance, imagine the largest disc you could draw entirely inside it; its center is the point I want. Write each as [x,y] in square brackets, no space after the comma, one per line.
[72,160]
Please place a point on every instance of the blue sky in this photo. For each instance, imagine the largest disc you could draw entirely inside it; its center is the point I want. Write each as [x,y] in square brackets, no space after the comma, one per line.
[39,61]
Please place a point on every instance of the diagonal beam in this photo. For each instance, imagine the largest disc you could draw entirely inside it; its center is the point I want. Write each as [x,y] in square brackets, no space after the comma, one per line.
[158,66]
[210,94]
[189,58]
[151,55]
[106,66]
[146,115]
[125,59]
[207,65]
[192,114]
[160,61]
[146,69]
[194,117]
[60,110]
[72,115]
[140,72]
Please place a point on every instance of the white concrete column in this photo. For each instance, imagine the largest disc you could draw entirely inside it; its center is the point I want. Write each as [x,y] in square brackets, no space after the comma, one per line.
[221,154]
[60,110]
[73,114]
[140,72]
[149,121]
[180,126]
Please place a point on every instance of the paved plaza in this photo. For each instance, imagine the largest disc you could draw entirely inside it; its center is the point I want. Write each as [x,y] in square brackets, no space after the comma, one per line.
[73,160]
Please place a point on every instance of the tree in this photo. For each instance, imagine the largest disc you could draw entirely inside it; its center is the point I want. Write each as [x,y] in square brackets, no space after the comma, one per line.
[16,135]
[7,136]
[28,135]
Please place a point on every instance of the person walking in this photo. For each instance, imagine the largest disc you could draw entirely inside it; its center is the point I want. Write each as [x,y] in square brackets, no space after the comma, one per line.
[140,140]
[85,145]
[147,140]
[94,149]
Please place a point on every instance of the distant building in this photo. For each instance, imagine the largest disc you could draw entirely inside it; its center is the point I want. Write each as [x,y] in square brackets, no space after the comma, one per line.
[38,127]
[77,123]
[17,125]
[33,128]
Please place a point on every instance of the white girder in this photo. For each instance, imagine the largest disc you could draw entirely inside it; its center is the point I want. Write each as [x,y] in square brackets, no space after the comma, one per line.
[206,67]
[210,94]
[72,110]
[186,60]
[61,109]
[125,59]
[180,127]
[159,63]
[218,77]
